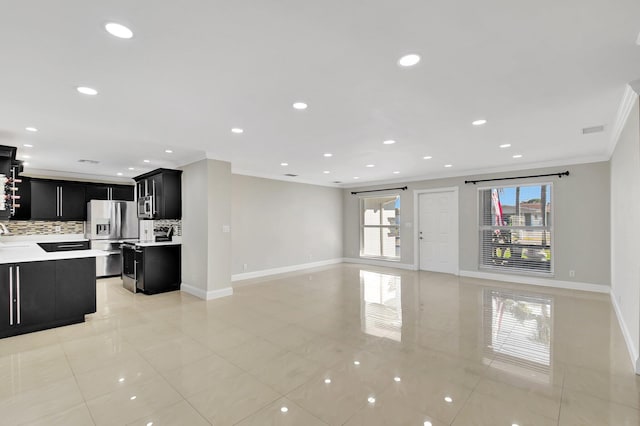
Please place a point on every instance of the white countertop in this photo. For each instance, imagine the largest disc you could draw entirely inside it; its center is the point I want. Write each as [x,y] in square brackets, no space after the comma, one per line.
[158,243]
[27,251]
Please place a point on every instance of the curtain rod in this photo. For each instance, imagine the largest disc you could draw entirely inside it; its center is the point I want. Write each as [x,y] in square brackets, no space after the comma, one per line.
[559,174]
[403,188]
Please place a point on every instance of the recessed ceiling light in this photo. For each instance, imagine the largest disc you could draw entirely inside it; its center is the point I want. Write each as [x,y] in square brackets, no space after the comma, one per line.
[119,174]
[397,379]
[370,165]
[131,168]
[396,172]
[168,151]
[151,424]
[87,90]
[409,60]
[517,156]
[146,161]
[328,154]
[284,409]
[448,399]
[327,381]
[31,129]
[133,397]
[284,164]
[371,400]
[118,30]
[300,105]
[237,130]
[448,165]
[428,423]
[326,172]
[479,122]
[505,145]
[27,145]
[389,142]
[121,379]
[427,157]
[356,362]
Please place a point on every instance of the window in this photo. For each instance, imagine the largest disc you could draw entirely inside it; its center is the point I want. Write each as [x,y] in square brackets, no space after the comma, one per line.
[380,227]
[515,228]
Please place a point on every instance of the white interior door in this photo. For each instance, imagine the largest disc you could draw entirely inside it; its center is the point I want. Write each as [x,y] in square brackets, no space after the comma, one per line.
[438,232]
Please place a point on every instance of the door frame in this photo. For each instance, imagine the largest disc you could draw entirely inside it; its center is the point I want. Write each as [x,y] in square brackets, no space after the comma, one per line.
[416,216]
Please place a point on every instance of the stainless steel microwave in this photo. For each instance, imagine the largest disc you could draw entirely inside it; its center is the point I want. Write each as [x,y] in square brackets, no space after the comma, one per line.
[146,207]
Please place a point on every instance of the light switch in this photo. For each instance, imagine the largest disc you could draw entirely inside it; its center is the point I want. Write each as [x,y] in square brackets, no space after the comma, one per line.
[226,228]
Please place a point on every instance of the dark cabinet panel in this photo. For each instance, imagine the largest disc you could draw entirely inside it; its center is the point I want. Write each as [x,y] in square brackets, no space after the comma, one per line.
[96,192]
[35,293]
[6,301]
[73,205]
[158,269]
[122,192]
[75,289]
[44,200]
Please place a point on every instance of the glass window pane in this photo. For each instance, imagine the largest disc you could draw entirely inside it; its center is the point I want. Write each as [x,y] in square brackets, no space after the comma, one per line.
[380,210]
[381,241]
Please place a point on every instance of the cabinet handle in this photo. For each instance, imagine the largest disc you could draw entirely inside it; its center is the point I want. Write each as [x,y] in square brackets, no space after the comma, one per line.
[153,197]
[11,295]
[18,292]
[60,201]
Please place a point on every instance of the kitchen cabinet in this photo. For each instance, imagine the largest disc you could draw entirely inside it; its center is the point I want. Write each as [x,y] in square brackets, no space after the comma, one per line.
[39,295]
[152,269]
[109,192]
[27,296]
[165,188]
[57,200]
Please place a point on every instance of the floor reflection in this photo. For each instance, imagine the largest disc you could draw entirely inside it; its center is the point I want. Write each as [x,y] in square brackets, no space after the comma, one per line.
[518,332]
[381,305]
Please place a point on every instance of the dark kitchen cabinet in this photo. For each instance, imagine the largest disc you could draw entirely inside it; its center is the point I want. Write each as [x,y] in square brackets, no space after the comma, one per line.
[75,289]
[165,188]
[39,295]
[109,192]
[57,200]
[28,292]
[158,268]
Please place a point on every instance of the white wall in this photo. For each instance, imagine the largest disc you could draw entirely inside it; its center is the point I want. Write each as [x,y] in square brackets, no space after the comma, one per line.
[278,224]
[581,218]
[206,247]
[625,233]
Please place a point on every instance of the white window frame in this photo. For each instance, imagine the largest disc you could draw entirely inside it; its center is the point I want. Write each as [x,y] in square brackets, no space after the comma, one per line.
[363,226]
[480,228]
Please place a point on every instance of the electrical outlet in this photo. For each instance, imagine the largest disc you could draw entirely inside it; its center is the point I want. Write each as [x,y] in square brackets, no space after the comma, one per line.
[244,266]
[572,273]
[57,228]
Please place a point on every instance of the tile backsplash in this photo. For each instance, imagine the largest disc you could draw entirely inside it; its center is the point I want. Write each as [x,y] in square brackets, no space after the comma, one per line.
[176,223]
[43,227]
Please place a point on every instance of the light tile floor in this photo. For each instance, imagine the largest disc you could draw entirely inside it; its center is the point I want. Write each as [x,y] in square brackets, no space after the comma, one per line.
[344,344]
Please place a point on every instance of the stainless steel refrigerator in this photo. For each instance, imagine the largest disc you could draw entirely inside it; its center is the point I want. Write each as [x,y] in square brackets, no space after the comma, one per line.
[109,224]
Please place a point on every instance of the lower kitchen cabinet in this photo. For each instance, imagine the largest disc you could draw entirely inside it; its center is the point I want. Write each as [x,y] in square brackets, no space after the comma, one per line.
[158,268]
[40,295]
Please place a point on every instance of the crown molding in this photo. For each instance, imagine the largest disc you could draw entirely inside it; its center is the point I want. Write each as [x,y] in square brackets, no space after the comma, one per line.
[629,98]
[55,174]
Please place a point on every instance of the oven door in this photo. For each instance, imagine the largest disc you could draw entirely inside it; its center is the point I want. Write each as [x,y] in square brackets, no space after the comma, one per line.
[129,267]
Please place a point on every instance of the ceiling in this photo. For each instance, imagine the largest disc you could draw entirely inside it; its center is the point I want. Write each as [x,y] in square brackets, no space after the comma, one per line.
[539,72]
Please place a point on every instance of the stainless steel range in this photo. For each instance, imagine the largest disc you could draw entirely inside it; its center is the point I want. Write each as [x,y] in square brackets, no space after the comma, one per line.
[109,224]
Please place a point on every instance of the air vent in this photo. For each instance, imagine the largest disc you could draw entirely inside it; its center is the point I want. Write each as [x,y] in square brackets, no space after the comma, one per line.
[290,174]
[594,129]
[89,161]
[337,181]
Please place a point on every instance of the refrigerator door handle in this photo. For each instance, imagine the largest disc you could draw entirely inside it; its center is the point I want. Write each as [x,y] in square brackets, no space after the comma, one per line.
[118,220]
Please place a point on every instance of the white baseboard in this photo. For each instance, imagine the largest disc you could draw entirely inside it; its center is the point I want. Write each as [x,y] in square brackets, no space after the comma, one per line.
[376,262]
[206,295]
[282,270]
[520,279]
[633,353]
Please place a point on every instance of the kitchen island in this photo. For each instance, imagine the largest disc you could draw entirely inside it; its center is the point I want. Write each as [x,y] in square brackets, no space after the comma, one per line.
[41,290]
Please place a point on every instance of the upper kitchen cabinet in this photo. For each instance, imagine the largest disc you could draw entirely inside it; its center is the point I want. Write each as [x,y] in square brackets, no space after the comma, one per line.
[57,200]
[109,192]
[160,194]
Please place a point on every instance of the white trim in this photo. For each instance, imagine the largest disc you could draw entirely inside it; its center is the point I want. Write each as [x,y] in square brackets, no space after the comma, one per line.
[376,262]
[629,98]
[206,295]
[568,285]
[75,176]
[282,270]
[416,222]
[633,353]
